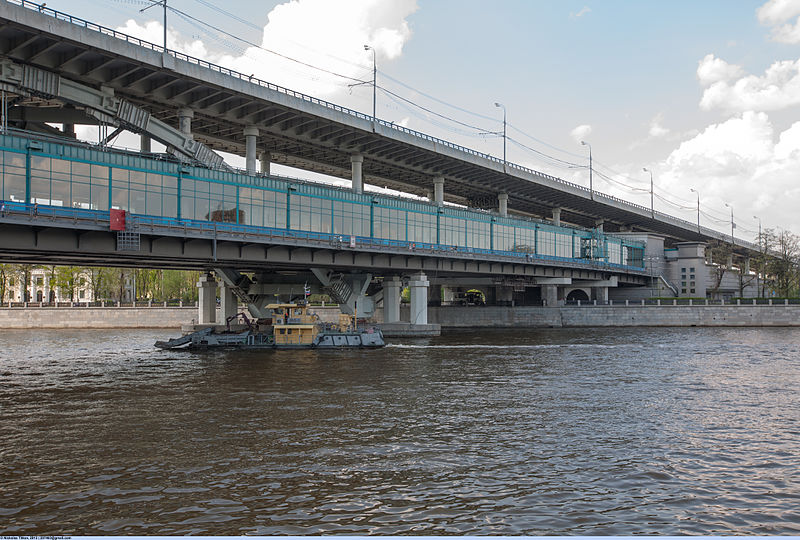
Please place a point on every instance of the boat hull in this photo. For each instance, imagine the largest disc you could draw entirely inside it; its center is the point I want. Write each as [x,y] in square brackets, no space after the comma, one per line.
[205,339]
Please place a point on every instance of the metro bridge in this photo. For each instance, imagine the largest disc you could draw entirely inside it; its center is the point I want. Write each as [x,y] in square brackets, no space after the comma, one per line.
[190,210]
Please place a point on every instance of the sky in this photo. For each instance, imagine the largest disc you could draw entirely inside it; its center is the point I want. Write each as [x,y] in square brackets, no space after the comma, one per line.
[706,95]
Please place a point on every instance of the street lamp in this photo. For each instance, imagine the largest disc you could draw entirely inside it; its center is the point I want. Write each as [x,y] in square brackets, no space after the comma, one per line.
[504,128]
[164,4]
[652,208]
[698,207]
[759,230]
[374,80]
[761,265]
[591,190]
[733,225]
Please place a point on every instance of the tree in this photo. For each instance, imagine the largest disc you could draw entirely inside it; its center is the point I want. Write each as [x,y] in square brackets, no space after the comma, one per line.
[720,251]
[6,271]
[783,266]
[68,280]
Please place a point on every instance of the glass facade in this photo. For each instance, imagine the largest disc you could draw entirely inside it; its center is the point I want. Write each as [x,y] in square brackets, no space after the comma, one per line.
[78,177]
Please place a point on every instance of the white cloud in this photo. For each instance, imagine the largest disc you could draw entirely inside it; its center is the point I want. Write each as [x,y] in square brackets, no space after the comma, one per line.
[784,18]
[582,12]
[321,33]
[711,70]
[581,132]
[778,88]
[738,161]
[153,31]
[656,129]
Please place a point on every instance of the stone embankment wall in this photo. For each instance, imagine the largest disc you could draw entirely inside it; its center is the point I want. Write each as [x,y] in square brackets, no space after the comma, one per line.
[447,317]
[115,317]
[611,316]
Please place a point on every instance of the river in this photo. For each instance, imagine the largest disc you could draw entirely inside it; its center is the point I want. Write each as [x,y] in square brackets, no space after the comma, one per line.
[611,431]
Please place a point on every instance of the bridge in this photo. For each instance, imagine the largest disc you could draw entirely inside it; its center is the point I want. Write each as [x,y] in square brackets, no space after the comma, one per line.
[529,235]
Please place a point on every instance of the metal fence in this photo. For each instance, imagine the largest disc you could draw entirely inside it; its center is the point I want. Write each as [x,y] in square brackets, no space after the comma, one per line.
[97,219]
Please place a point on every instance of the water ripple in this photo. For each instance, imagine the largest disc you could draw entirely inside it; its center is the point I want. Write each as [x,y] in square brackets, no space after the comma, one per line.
[579,432]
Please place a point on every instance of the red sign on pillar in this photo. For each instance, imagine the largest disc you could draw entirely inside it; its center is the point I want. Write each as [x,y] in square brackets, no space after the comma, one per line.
[117,220]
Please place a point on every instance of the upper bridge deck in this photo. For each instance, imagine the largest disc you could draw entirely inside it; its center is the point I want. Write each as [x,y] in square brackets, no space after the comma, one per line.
[302,131]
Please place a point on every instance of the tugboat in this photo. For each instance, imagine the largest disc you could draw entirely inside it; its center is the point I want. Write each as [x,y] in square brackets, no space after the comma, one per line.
[290,327]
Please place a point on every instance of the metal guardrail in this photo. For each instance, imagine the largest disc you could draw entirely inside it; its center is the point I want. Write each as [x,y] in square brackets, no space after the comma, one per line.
[41,8]
[223,230]
[687,302]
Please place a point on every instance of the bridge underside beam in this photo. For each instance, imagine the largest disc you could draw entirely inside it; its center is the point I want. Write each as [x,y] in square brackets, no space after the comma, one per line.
[41,240]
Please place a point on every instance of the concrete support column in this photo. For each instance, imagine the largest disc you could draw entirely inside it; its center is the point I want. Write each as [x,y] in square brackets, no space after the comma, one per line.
[69,130]
[185,116]
[550,295]
[438,190]
[600,294]
[504,295]
[250,137]
[264,159]
[145,145]
[207,300]
[502,204]
[435,295]
[599,225]
[228,302]
[392,288]
[556,216]
[418,287]
[358,183]
[730,262]
[746,269]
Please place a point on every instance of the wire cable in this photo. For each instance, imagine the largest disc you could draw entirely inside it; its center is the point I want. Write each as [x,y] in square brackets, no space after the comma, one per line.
[251,44]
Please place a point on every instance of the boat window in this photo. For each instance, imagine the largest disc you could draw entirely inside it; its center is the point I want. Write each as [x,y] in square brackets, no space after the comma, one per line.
[283,331]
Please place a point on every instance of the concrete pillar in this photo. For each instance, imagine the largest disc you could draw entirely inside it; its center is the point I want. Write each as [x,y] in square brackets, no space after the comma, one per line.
[504,295]
[730,261]
[145,144]
[207,301]
[502,204]
[438,190]
[185,116]
[228,302]
[250,137]
[264,159]
[600,294]
[746,269]
[69,130]
[435,295]
[358,183]
[392,287]
[418,287]
[556,216]
[550,295]
[599,224]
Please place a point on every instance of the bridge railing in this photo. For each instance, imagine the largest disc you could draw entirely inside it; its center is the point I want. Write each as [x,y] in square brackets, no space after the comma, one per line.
[144,224]
[345,110]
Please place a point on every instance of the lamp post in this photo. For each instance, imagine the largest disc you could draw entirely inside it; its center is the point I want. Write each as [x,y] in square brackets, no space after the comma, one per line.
[591,190]
[759,231]
[698,207]
[496,104]
[733,225]
[161,3]
[652,208]
[374,80]
[761,262]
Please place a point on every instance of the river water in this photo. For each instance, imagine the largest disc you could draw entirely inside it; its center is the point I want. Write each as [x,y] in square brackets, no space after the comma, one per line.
[612,431]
